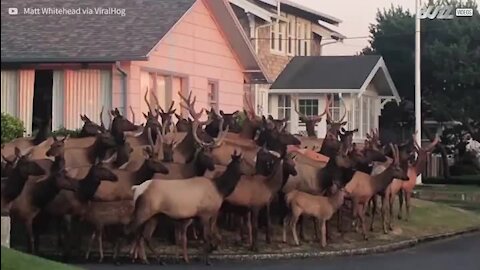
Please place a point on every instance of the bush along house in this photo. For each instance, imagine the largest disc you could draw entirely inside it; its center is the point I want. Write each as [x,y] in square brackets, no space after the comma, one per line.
[60,66]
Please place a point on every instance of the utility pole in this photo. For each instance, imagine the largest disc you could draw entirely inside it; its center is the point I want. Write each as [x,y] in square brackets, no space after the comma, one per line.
[418,94]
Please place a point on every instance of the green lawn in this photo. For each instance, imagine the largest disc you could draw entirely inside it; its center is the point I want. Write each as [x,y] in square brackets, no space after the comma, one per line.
[16,260]
[449,188]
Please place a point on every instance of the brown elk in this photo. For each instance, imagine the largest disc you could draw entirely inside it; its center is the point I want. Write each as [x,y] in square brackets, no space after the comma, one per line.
[184,199]
[310,122]
[322,208]
[17,172]
[362,186]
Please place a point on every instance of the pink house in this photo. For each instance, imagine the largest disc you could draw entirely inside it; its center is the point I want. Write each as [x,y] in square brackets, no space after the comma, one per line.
[76,57]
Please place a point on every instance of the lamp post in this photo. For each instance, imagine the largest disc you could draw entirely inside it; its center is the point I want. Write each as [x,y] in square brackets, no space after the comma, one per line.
[418,95]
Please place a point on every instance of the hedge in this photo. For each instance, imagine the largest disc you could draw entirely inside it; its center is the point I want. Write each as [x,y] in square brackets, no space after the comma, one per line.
[454,180]
[12,128]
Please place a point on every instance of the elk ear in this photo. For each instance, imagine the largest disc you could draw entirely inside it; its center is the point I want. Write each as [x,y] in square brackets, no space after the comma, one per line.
[179,117]
[144,115]
[174,110]
[66,138]
[270,117]
[17,152]
[344,123]
[147,152]
[222,113]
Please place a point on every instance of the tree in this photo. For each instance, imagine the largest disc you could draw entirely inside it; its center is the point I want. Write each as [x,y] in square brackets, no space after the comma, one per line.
[450,52]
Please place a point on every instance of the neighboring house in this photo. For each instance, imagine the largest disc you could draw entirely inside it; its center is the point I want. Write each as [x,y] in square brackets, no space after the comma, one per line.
[363,82]
[61,66]
[279,32]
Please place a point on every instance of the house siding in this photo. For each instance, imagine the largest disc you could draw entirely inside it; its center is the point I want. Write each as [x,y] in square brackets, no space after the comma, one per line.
[196,50]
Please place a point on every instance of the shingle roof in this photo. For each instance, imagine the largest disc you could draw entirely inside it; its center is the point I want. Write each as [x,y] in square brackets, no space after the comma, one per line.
[326,72]
[63,38]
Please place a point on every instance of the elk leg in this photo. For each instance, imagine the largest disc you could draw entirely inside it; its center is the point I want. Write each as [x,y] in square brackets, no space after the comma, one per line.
[315,228]
[254,246]
[400,203]
[391,199]
[207,237]
[268,236]
[183,236]
[385,200]
[249,228]
[100,245]
[286,221]
[324,232]
[90,243]
[362,220]
[177,238]
[408,197]
[31,240]
[293,227]
[374,210]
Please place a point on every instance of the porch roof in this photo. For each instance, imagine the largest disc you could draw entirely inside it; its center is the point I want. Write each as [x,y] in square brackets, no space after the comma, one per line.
[335,74]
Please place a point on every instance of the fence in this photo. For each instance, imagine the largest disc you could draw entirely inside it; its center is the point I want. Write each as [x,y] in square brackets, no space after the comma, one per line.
[434,166]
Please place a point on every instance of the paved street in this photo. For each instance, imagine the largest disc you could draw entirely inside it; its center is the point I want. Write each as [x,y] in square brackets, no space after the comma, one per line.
[455,253]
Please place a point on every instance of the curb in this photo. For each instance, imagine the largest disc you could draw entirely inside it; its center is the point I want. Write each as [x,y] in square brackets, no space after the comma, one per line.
[304,255]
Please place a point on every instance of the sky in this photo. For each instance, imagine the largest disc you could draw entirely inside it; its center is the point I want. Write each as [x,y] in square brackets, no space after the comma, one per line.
[356,17]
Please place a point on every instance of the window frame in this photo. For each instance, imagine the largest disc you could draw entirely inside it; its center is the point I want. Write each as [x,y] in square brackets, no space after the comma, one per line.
[213,103]
[312,107]
[283,107]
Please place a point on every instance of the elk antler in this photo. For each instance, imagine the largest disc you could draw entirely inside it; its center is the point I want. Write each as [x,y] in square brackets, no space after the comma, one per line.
[250,108]
[133,115]
[102,125]
[156,99]
[170,110]
[216,141]
[303,117]
[148,104]
[190,106]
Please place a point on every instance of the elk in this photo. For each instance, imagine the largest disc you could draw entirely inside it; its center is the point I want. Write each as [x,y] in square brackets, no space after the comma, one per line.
[8,149]
[257,191]
[122,189]
[414,170]
[184,199]
[362,187]
[322,208]
[17,172]
[91,128]
[311,140]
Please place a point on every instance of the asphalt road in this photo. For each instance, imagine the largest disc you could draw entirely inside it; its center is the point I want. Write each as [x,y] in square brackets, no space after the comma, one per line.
[461,252]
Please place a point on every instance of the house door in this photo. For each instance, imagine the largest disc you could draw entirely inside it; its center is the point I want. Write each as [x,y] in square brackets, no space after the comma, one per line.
[42,98]
[261,99]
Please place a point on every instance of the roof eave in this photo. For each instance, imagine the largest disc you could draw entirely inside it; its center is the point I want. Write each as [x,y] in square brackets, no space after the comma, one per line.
[252,62]
[72,59]
[381,65]
[311,91]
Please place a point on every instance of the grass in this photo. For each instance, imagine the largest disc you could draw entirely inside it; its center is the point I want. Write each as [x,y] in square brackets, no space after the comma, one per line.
[16,260]
[449,188]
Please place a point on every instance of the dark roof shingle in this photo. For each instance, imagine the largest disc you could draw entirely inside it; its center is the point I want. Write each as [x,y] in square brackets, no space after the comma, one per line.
[63,38]
[326,72]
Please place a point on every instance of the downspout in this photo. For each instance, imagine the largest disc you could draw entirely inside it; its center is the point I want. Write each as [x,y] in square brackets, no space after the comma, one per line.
[124,87]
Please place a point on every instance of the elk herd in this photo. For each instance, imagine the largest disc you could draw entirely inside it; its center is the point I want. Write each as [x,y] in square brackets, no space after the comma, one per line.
[201,174]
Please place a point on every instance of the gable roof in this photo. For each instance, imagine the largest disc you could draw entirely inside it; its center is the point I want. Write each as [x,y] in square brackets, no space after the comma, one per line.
[335,74]
[84,37]
[108,38]
[303,11]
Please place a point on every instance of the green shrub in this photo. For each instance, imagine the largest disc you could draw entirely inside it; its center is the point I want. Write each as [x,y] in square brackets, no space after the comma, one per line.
[63,132]
[464,169]
[12,128]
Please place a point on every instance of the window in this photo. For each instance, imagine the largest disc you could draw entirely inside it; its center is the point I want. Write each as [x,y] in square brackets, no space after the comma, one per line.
[291,37]
[335,108]
[213,95]
[284,108]
[364,115]
[308,107]
[304,35]
[278,33]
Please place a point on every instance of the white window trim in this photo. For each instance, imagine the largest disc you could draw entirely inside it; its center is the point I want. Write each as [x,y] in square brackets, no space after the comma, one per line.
[278,28]
[213,102]
[357,120]
[283,107]
[291,33]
